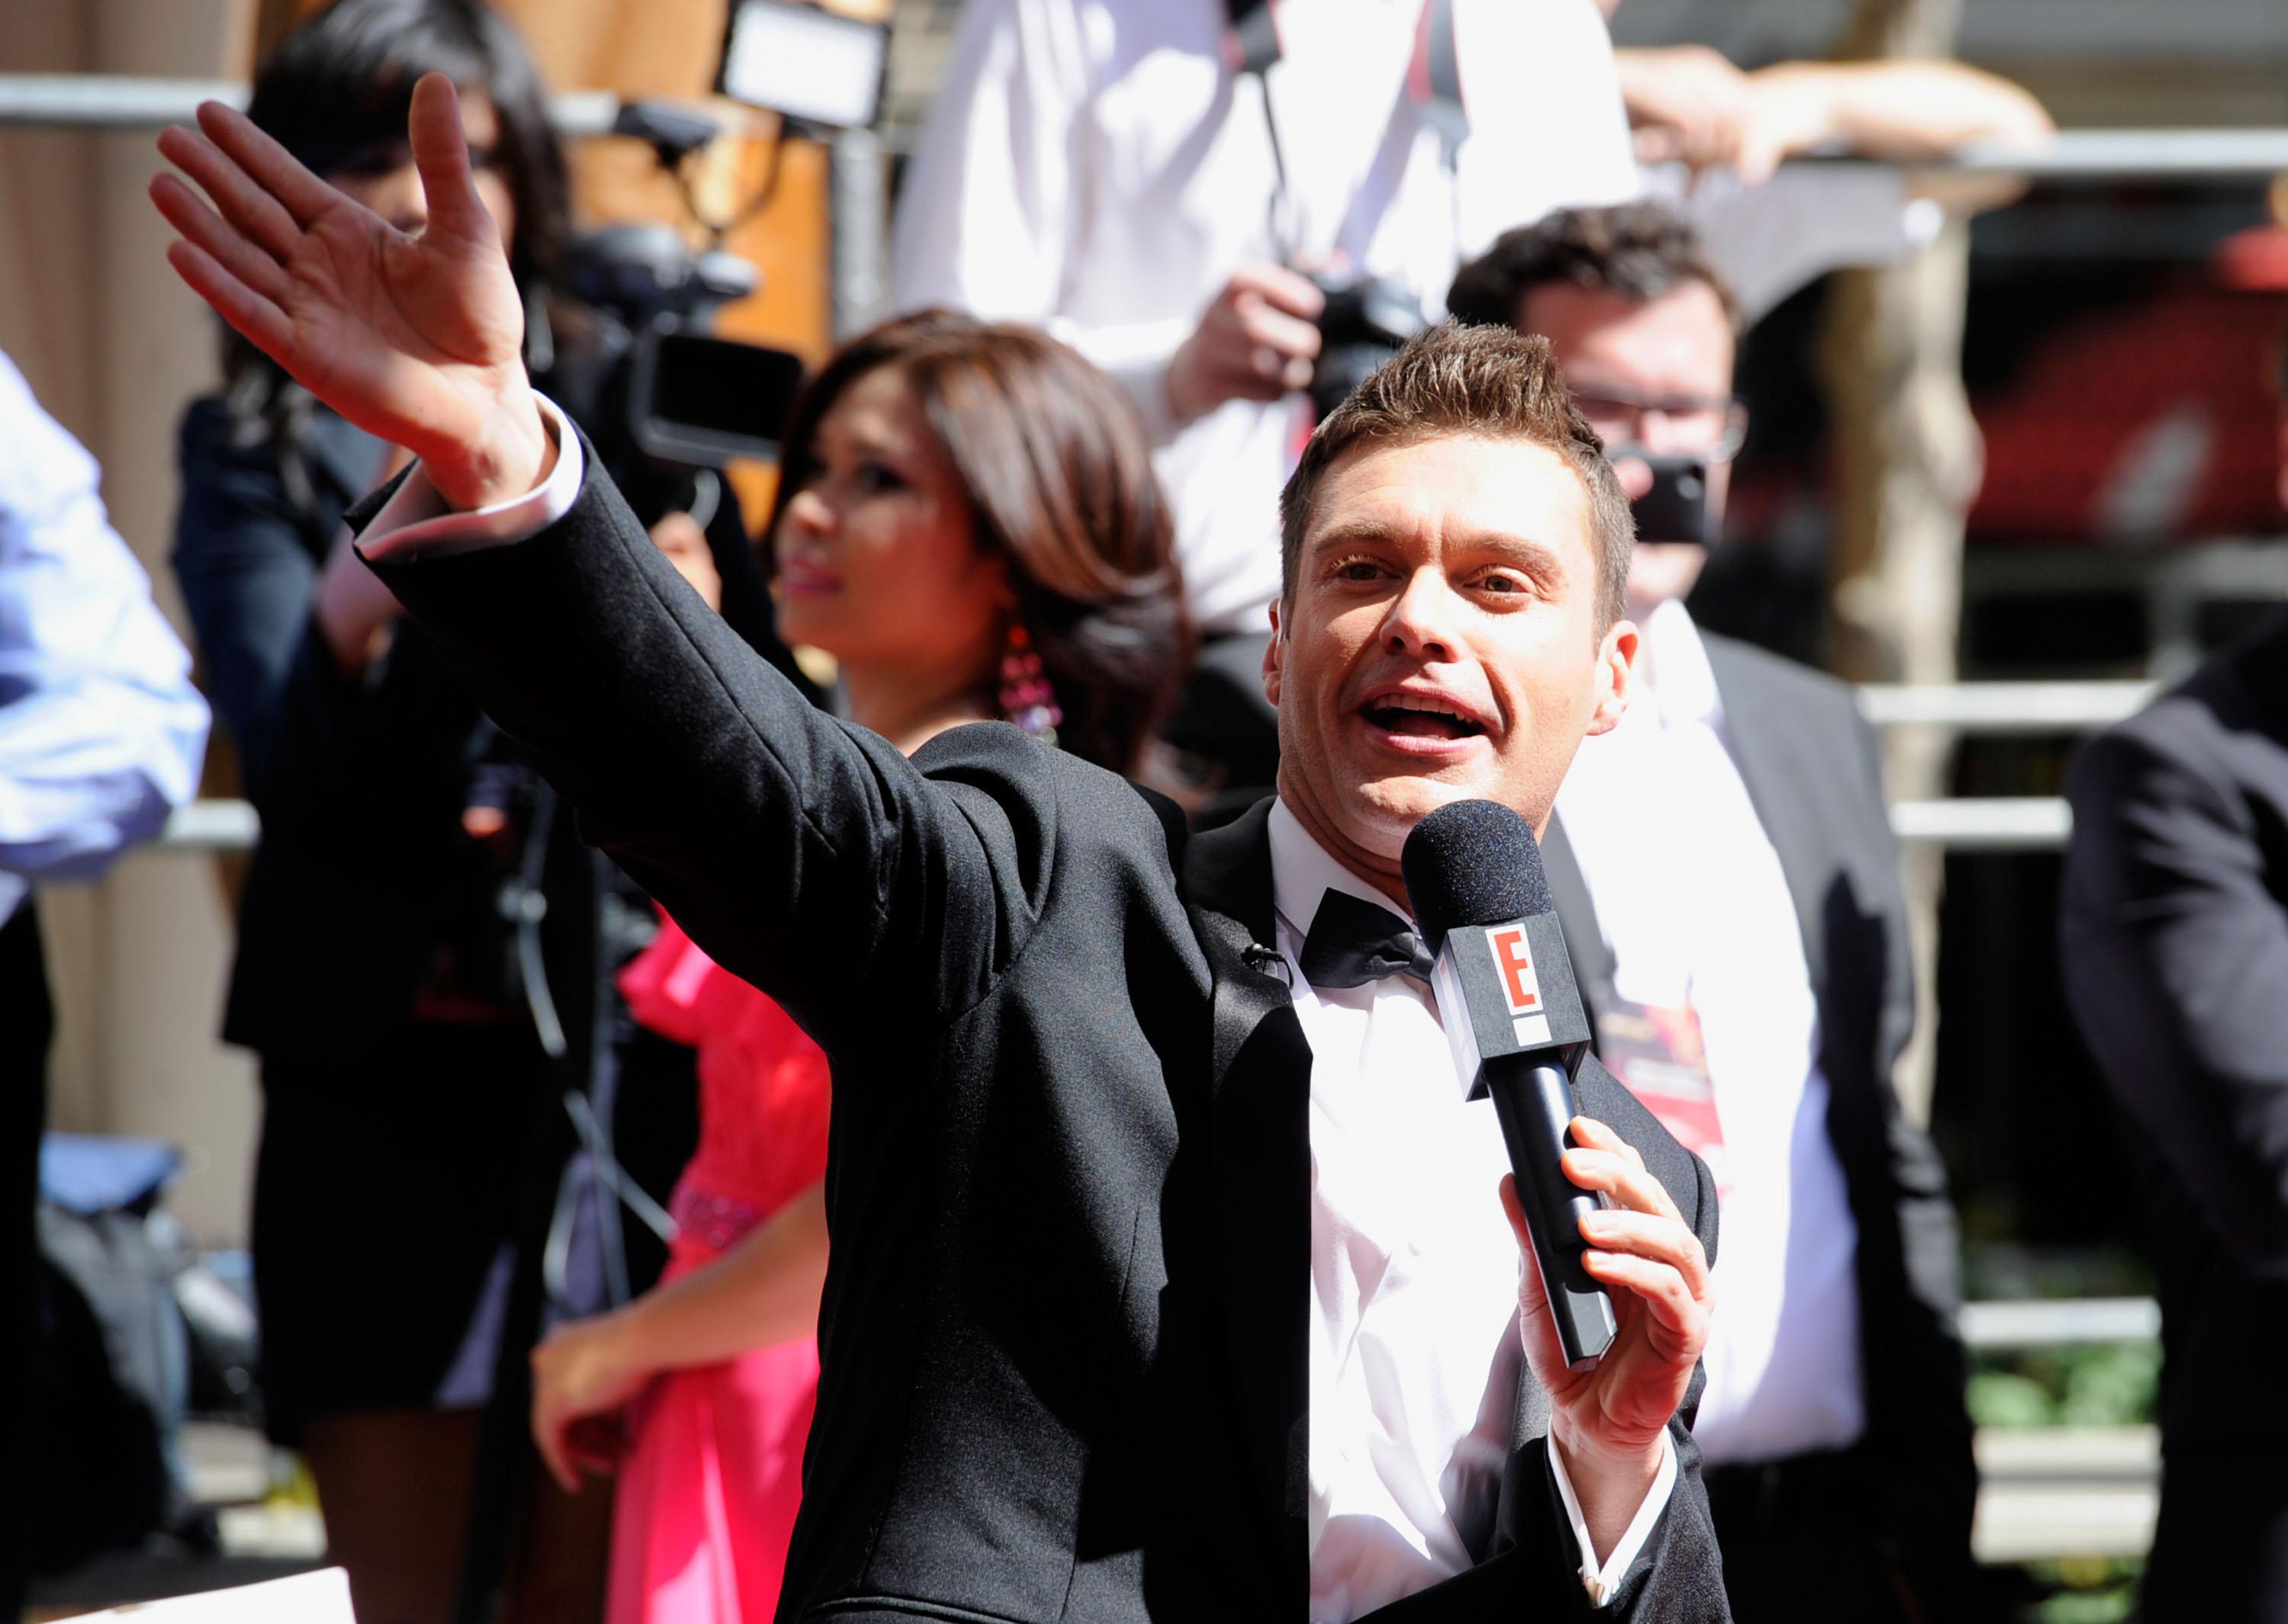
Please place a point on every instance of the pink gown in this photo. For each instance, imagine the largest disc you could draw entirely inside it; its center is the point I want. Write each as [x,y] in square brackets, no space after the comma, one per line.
[708,1492]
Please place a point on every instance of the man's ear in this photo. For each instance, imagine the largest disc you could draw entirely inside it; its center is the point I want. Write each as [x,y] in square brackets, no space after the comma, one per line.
[1274,653]
[1616,658]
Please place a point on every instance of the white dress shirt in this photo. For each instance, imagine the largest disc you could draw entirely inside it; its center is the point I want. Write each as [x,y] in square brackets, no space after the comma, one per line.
[1695,909]
[100,730]
[1093,166]
[1415,1349]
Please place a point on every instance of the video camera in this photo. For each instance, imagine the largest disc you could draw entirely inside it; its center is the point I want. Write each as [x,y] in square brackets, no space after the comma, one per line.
[636,359]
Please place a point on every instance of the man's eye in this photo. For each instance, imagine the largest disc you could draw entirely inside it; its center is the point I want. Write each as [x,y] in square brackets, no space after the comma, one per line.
[1501,583]
[1357,569]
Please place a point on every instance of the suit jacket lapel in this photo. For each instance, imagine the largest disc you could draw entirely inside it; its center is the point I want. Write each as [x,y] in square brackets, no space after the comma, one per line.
[1769,766]
[1260,1080]
[1577,912]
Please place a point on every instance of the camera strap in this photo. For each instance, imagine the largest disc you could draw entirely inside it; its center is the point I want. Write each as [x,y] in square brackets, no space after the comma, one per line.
[1431,88]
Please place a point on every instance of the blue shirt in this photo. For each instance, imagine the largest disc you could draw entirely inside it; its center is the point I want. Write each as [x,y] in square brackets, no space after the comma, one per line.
[100,730]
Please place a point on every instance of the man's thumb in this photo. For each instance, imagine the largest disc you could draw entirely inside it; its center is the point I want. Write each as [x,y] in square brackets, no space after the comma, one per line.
[441,152]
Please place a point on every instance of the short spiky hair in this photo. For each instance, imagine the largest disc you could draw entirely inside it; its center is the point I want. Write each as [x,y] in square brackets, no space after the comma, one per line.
[1481,382]
[1640,251]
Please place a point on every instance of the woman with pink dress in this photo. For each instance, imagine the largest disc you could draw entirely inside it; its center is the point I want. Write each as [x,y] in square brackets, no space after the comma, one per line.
[968,521]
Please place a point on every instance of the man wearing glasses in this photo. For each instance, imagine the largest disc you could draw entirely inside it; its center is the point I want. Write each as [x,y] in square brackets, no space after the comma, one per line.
[1730,893]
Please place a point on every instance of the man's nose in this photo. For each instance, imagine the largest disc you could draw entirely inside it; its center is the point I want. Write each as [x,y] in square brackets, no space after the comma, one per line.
[1421,620]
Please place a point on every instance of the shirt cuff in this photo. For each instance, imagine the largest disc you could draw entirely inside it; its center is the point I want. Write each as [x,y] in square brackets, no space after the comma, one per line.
[1601,1582]
[414,522]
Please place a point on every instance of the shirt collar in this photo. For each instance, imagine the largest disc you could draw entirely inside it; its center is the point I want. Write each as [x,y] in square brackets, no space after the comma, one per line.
[1674,668]
[1302,873]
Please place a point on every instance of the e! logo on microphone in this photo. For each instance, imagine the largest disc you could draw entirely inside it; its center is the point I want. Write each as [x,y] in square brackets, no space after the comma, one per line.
[1513,958]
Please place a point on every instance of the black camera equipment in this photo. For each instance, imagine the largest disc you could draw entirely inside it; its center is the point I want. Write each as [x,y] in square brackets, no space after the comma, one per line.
[634,356]
[1676,508]
[1367,320]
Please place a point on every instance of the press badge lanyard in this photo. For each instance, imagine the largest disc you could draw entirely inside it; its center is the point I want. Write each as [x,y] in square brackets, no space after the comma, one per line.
[1431,88]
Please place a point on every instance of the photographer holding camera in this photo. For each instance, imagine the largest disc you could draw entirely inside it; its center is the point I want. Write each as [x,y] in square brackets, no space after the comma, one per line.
[1225,203]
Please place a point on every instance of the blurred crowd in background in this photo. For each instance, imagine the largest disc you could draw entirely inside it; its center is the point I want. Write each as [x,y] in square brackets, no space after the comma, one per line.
[529,1283]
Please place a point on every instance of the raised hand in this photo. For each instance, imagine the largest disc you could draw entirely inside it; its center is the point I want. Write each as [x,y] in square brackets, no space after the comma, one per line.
[416,339]
[1608,1420]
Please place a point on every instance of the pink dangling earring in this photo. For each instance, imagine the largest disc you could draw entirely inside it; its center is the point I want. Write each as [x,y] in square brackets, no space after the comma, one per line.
[1027,698]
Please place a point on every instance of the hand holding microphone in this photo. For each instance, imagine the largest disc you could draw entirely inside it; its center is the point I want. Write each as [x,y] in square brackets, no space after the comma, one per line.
[1614,1302]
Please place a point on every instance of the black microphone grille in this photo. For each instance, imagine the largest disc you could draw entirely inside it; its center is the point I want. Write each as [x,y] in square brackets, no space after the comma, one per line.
[1471,863]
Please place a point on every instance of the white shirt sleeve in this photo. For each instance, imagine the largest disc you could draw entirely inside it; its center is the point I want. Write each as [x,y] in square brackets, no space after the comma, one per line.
[1601,1582]
[986,216]
[101,729]
[1807,220]
[416,523]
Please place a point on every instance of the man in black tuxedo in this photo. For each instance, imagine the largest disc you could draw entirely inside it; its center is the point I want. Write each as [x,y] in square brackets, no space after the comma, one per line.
[2176,953]
[1100,1339]
[1743,792]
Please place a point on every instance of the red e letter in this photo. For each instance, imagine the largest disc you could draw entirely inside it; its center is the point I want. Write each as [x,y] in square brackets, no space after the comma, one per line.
[1518,979]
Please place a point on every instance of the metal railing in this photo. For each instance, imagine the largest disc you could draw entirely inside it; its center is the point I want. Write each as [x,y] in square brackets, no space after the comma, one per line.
[130,102]
[119,101]
[2004,707]
[1985,824]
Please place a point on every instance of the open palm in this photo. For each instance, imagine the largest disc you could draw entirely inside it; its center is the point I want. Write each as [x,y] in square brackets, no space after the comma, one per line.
[416,339]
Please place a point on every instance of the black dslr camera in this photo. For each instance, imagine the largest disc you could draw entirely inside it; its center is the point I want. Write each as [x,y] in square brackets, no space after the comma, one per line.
[1366,321]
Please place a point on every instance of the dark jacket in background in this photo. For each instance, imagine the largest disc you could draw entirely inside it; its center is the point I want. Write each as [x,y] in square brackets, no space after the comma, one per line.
[1813,772]
[393,1145]
[2175,951]
[361,782]
[1063,1333]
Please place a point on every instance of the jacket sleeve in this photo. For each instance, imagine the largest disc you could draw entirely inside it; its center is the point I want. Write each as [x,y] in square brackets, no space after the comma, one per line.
[328,756]
[803,854]
[2175,951]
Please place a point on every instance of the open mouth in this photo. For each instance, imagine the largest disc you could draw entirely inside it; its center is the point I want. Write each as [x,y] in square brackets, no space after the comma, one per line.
[1421,718]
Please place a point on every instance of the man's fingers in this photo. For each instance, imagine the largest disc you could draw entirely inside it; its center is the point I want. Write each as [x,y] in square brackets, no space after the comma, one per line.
[1657,1240]
[1589,1131]
[1286,290]
[1623,1179]
[1273,329]
[264,325]
[441,152]
[270,166]
[242,200]
[1660,1289]
[222,241]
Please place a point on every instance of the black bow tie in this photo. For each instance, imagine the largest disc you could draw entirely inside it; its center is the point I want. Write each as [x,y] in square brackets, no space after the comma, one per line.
[1351,942]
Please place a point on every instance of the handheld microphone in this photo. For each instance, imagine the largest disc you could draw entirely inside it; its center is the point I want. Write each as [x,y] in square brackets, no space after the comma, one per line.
[1513,1016]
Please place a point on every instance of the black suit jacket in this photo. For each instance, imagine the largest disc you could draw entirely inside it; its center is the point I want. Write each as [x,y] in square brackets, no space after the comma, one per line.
[2175,951]
[1812,770]
[1063,1333]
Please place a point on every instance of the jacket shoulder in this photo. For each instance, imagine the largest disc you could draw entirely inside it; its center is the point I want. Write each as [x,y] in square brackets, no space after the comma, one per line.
[1777,682]
[2197,728]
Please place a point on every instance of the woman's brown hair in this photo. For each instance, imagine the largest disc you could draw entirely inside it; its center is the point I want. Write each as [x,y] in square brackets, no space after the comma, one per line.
[1060,482]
